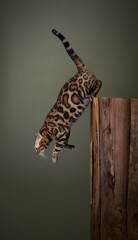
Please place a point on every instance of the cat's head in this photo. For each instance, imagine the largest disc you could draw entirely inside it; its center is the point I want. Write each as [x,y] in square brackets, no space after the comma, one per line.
[40,144]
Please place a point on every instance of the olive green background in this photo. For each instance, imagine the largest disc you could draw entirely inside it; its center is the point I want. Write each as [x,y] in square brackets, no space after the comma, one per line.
[40,200]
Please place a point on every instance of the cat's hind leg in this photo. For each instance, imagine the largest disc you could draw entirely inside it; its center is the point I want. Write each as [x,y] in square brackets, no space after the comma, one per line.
[95,88]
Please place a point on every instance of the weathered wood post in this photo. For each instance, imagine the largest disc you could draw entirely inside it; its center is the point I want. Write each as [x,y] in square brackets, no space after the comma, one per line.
[114,169]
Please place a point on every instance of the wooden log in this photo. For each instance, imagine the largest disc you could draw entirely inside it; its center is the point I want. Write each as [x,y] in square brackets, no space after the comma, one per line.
[113,162]
[114,142]
[94,172]
[132,202]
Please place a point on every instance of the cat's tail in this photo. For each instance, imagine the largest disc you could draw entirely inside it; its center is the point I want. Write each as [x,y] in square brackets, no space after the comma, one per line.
[79,64]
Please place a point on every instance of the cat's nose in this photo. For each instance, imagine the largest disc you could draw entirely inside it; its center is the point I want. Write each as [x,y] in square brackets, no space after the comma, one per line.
[36,149]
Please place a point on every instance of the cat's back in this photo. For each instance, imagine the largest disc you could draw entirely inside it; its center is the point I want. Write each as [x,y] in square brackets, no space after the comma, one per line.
[71,100]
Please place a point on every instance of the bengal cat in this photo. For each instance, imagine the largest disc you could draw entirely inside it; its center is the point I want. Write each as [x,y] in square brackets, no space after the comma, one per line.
[73,98]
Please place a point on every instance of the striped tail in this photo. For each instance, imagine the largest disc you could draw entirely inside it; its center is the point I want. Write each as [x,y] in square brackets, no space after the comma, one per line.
[79,64]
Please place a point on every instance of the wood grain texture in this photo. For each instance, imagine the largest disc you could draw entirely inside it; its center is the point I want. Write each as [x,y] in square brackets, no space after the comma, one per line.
[94,172]
[114,168]
[132,206]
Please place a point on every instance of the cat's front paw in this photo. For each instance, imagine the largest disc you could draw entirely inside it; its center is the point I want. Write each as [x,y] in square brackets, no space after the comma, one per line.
[68,146]
[54,157]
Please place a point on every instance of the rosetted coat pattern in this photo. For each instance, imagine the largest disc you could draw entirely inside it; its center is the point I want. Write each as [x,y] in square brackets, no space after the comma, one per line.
[72,100]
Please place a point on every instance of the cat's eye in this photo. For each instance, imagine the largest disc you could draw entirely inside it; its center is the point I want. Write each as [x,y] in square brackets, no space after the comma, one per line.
[36,149]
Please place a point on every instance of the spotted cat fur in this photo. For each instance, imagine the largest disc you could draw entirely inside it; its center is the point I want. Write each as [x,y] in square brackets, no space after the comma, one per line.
[72,100]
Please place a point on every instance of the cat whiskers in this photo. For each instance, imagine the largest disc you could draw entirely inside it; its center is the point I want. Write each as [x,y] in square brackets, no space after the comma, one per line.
[42,154]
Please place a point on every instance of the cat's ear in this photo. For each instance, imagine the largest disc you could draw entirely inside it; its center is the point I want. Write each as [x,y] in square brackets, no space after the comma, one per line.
[38,135]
